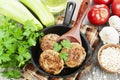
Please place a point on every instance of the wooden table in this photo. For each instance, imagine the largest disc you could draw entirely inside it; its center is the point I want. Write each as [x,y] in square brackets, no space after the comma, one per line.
[95,72]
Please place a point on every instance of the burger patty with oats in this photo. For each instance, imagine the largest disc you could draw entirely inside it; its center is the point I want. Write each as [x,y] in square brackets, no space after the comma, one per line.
[76,55]
[48,41]
[51,62]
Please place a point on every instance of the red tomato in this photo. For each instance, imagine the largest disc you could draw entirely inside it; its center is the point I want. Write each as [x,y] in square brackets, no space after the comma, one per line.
[99,14]
[107,2]
[116,7]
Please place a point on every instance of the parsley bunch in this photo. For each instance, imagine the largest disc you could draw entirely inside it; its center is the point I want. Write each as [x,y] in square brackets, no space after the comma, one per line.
[15,40]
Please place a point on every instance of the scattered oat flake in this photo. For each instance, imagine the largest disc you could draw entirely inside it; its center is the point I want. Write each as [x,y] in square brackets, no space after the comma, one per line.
[89,79]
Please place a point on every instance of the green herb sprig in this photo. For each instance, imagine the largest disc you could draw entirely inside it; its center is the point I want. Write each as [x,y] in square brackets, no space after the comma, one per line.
[66,44]
[15,40]
[59,46]
[64,56]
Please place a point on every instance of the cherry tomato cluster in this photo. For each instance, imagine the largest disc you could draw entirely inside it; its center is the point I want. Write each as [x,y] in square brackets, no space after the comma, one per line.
[100,11]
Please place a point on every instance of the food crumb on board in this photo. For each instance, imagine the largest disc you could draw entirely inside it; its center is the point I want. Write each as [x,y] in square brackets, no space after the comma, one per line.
[104,77]
[89,79]
[93,72]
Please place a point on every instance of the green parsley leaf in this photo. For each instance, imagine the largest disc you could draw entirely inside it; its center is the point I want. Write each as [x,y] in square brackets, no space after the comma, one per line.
[42,34]
[11,73]
[66,44]
[57,47]
[15,41]
[64,56]
[31,41]
[4,58]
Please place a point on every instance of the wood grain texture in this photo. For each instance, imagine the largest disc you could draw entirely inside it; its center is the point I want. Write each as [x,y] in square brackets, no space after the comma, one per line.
[93,72]
[96,73]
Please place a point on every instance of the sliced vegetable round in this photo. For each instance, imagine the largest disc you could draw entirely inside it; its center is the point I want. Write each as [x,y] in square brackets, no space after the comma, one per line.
[116,7]
[99,14]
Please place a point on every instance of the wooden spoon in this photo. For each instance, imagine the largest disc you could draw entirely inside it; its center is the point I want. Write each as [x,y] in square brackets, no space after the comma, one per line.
[73,35]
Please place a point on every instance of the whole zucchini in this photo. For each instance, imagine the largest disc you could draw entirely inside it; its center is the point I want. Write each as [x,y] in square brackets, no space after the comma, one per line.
[17,11]
[42,12]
